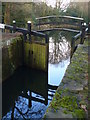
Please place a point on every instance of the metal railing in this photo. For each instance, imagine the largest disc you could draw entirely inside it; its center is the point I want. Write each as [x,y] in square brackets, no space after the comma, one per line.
[24,31]
[80,36]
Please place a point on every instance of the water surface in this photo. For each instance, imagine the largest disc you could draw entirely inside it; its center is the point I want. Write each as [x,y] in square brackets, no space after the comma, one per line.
[59,55]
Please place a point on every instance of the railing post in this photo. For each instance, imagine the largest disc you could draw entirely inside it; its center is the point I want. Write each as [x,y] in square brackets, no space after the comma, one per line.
[14,26]
[25,36]
[72,46]
[89,28]
[46,39]
[83,33]
[39,24]
[29,29]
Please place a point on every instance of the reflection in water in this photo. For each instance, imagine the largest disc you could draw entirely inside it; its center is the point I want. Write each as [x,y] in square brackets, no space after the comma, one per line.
[59,55]
[57,71]
[28,92]
[58,49]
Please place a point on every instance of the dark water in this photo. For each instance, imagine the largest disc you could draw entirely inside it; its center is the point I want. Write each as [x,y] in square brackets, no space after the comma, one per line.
[28,92]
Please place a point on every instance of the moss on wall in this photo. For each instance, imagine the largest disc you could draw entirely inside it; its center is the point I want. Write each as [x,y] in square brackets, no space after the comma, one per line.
[34,55]
[11,57]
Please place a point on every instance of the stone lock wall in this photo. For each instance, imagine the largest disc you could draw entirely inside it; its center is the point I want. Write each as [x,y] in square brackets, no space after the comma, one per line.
[19,52]
[11,57]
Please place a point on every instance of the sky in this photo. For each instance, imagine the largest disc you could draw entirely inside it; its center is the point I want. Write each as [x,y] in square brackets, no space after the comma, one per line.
[65,2]
[50,2]
[53,2]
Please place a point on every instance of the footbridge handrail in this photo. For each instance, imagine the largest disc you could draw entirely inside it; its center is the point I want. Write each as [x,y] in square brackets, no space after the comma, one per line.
[54,16]
[53,20]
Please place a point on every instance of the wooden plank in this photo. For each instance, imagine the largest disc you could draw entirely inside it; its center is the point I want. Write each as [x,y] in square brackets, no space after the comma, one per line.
[38,59]
[68,17]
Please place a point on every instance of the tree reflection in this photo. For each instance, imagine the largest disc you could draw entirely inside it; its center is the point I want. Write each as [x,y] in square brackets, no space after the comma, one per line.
[26,94]
[59,48]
